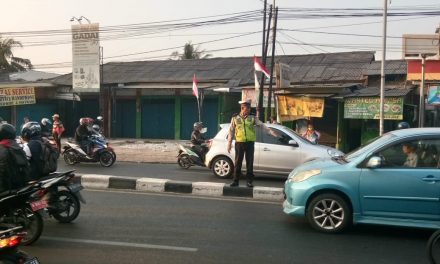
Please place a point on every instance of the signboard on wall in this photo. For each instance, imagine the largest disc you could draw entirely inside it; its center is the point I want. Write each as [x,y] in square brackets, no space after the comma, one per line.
[17,96]
[292,108]
[369,108]
[434,95]
[85,56]
[247,94]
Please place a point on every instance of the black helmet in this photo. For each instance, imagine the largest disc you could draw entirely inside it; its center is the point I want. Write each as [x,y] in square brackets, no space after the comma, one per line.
[198,125]
[402,125]
[31,129]
[7,131]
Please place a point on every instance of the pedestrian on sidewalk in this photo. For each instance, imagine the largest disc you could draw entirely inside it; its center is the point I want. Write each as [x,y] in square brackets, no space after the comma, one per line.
[311,134]
[57,130]
[242,128]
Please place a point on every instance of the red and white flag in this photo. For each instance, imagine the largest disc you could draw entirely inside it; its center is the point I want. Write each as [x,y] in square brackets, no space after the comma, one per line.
[258,66]
[195,89]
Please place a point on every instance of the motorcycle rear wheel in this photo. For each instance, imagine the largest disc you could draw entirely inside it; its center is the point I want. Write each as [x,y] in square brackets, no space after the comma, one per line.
[184,161]
[66,206]
[70,157]
[106,158]
[32,223]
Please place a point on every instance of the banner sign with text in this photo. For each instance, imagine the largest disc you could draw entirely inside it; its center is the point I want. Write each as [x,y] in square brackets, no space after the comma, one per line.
[293,108]
[369,108]
[85,56]
[17,96]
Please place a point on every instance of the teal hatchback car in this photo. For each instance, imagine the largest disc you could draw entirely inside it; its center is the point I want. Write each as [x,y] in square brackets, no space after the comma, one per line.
[393,180]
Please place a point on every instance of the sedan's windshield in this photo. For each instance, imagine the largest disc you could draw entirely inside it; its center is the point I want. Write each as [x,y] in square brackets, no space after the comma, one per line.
[366,148]
[298,136]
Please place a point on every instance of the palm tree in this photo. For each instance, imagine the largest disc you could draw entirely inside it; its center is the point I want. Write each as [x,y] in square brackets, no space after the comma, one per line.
[190,52]
[8,62]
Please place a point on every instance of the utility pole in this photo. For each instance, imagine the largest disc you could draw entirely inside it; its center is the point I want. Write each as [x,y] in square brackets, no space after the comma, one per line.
[382,69]
[422,94]
[263,56]
[274,31]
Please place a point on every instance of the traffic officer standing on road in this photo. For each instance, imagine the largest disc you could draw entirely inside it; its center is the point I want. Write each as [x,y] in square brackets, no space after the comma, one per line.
[243,128]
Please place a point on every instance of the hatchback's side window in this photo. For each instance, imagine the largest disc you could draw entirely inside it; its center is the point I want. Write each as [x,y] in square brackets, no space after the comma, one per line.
[423,153]
[282,139]
[429,152]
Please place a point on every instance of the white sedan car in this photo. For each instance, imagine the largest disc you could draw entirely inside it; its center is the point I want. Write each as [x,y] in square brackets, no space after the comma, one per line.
[273,155]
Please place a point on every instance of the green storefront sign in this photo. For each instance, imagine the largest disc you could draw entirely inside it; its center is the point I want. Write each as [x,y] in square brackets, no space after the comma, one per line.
[369,108]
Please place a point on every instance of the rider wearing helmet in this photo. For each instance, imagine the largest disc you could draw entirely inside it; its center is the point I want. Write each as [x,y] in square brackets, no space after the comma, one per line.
[82,134]
[7,146]
[100,122]
[197,140]
[402,125]
[31,134]
[46,130]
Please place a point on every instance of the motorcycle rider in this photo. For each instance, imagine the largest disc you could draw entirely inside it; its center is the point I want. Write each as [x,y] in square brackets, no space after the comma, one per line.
[82,134]
[7,141]
[31,134]
[46,130]
[100,122]
[197,140]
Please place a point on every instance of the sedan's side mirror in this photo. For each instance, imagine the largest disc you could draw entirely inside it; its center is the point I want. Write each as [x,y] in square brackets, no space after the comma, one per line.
[374,162]
[293,143]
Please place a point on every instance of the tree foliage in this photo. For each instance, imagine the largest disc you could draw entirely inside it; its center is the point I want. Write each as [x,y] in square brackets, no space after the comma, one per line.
[190,52]
[8,62]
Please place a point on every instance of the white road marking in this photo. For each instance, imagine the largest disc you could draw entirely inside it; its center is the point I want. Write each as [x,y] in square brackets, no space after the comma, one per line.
[188,195]
[120,244]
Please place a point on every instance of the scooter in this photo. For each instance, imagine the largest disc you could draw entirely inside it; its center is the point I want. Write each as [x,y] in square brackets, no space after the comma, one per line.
[187,157]
[10,239]
[101,152]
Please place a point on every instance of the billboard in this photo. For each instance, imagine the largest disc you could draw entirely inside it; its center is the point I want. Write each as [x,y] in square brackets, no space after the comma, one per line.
[369,108]
[415,44]
[85,56]
[434,95]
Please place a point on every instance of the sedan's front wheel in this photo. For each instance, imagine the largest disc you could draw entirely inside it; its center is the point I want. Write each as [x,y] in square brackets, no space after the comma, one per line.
[222,167]
[329,213]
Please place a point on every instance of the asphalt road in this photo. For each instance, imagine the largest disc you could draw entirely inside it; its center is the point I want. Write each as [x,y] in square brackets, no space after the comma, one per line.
[165,171]
[127,227]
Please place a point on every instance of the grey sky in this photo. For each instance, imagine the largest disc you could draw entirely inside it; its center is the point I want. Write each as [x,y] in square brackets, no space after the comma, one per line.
[32,15]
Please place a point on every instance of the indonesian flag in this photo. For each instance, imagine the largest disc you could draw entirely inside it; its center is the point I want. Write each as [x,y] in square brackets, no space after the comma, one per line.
[195,89]
[258,66]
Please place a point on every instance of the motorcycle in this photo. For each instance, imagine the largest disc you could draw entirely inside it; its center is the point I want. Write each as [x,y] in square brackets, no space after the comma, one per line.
[23,207]
[63,196]
[101,152]
[10,239]
[187,157]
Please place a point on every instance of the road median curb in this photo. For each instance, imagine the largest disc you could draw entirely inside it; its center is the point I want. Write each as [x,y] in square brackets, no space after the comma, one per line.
[96,181]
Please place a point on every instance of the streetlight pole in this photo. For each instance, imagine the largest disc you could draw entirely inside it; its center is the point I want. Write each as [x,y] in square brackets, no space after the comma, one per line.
[382,70]
[422,94]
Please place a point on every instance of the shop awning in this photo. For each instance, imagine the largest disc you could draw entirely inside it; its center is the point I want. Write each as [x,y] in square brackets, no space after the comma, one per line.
[68,96]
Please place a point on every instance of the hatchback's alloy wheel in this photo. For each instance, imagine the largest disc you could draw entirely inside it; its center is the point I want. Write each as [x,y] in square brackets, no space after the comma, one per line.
[222,167]
[329,213]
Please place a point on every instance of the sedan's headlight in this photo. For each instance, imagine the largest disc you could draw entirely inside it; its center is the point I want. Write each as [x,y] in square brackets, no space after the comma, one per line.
[304,175]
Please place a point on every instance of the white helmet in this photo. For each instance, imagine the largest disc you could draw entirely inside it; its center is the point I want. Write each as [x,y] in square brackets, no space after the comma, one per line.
[45,121]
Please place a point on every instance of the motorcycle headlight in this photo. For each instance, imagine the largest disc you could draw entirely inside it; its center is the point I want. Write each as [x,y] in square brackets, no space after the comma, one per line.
[304,175]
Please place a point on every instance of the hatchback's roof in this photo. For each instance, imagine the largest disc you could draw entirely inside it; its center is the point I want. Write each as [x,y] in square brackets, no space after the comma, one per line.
[417,131]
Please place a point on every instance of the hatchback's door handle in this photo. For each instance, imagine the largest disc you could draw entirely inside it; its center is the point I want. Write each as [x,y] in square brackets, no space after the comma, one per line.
[431,178]
[266,149]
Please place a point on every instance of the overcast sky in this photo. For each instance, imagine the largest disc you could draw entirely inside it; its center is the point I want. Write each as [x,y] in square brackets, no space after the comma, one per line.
[25,16]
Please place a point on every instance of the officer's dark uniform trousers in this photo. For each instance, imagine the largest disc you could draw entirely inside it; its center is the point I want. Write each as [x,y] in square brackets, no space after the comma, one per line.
[244,149]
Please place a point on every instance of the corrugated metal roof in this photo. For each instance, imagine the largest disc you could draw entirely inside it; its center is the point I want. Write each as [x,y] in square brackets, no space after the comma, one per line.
[329,67]
[391,67]
[375,91]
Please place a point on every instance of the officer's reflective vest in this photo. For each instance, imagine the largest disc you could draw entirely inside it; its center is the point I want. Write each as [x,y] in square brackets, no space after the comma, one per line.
[244,128]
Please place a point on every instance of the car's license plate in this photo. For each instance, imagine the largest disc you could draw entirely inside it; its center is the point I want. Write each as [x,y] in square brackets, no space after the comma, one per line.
[76,187]
[32,261]
[38,205]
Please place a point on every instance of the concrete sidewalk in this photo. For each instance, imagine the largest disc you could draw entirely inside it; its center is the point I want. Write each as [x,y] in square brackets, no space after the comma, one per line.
[165,151]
